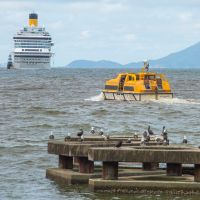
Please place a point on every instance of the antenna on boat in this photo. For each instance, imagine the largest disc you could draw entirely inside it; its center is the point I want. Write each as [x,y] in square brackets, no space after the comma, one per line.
[146,65]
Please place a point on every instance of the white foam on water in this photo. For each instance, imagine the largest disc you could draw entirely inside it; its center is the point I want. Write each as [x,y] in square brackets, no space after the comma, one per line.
[99,97]
[177,101]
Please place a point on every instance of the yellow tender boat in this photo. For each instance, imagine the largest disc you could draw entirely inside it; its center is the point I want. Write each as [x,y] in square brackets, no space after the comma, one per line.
[140,86]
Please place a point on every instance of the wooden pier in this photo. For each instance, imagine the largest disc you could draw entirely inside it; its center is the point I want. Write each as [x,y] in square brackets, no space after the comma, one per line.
[117,168]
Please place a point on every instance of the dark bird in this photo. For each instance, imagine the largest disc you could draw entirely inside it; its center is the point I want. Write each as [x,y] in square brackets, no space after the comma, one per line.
[51,137]
[118,144]
[101,132]
[164,133]
[92,131]
[68,137]
[80,133]
[147,139]
[185,140]
[150,131]
[164,130]
[128,140]
[145,134]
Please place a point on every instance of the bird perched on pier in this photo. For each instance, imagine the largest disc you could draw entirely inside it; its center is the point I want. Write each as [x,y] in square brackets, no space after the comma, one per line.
[106,137]
[164,133]
[68,137]
[80,133]
[101,132]
[118,144]
[164,130]
[128,140]
[166,142]
[150,131]
[82,138]
[135,135]
[51,137]
[145,134]
[142,142]
[185,140]
[92,131]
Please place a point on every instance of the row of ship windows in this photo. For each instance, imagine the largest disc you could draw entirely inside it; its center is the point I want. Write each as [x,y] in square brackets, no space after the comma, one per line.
[42,53]
[33,40]
[18,46]
[32,43]
[30,60]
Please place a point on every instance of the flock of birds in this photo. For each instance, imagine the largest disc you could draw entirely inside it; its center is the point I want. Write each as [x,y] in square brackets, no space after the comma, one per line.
[144,139]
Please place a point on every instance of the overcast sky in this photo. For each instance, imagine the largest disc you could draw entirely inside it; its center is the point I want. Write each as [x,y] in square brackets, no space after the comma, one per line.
[117,30]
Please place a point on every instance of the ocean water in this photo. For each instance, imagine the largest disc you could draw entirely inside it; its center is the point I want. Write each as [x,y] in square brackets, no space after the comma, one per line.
[35,102]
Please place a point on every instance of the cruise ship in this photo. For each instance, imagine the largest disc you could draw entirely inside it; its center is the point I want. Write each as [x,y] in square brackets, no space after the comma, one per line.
[32,46]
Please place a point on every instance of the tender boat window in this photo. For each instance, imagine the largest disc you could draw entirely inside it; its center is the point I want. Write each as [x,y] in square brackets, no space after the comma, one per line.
[130,78]
[150,77]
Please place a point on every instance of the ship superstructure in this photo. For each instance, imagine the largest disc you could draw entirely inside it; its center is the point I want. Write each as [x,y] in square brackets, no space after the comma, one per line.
[32,46]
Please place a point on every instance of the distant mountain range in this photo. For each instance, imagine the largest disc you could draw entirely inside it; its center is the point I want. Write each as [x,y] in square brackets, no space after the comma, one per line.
[187,58]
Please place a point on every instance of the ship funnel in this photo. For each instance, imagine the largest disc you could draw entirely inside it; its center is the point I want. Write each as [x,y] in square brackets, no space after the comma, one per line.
[33,19]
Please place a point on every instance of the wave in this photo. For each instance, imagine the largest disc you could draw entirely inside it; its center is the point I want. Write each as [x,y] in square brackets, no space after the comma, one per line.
[177,101]
[96,98]
[100,97]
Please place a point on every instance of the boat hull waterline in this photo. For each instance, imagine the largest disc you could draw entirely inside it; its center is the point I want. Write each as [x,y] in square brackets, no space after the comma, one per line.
[135,96]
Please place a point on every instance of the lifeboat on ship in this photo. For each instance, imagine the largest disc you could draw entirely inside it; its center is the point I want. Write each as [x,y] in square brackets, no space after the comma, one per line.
[140,86]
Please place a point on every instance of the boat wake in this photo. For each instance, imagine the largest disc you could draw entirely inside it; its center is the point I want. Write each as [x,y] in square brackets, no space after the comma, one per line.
[165,101]
[96,98]
[177,101]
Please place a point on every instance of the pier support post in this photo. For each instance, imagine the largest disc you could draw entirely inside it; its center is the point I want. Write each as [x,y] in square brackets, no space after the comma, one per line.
[110,170]
[174,169]
[65,162]
[85,165]
[149,166]
[197,172]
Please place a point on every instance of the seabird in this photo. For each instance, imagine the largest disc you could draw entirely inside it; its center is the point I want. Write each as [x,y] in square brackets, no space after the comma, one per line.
[101,132]
[164,130]
[82,138]
[135,135]
[92,131]
[166,142]
[118,144]
[142,142]
[164,133]
[128,140]
[185,140]
[106,137]
[80,133]
[150,131]
[68,137]
[145,134]
[147,139]
[51,137]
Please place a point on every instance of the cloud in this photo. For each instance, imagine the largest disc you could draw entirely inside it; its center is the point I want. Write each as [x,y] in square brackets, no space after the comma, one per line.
[85,34]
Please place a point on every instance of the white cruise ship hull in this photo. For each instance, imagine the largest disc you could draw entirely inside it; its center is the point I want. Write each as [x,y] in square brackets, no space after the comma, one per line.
[32,66]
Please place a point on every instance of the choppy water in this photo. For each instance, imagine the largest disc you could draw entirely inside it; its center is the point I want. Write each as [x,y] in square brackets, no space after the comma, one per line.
[35,102]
